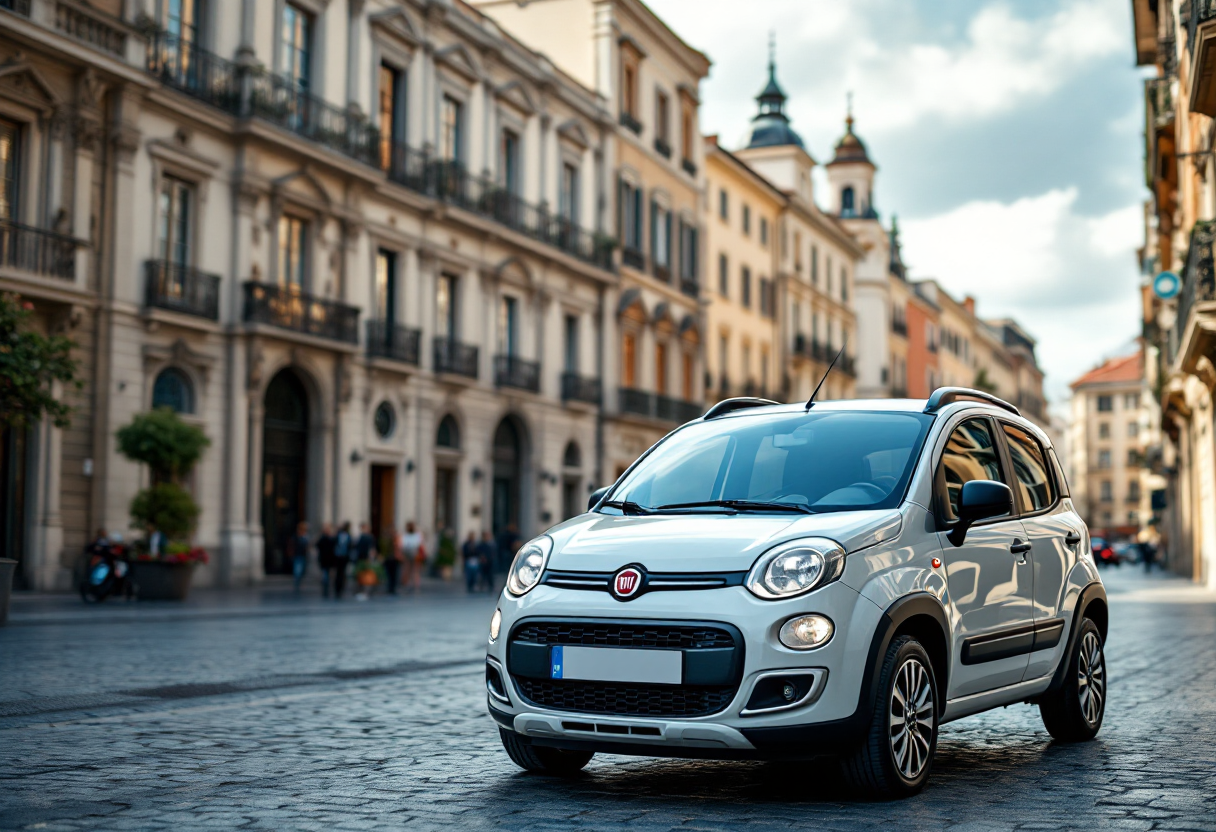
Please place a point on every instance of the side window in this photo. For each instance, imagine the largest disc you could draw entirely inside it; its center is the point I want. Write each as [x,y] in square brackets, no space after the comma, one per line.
[1030,466]
[971,454]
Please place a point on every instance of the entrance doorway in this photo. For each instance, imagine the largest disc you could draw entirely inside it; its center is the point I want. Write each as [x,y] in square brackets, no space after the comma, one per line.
[284,467]
[12,501]
[445,500]
[506,485]
[384,501]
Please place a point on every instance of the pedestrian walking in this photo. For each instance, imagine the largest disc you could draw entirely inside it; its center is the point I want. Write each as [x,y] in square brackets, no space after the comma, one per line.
[393,559]
[414,554]
[487,554]
[299,554]
[472,563]
[326,559]
[365,551]
[342,550]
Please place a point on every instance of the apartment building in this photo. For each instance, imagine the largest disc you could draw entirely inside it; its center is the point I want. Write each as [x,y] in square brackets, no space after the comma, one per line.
[368,247]
[654,369]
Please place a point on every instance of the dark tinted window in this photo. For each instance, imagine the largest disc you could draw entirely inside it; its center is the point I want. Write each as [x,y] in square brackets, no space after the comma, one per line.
[971,454]
[1030,467]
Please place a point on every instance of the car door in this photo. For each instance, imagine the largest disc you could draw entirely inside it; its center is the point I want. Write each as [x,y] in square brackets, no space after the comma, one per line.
[1054,532]
[990,577]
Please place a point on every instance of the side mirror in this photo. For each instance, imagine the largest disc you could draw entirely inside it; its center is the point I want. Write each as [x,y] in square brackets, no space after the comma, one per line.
[597,495]
[980,500]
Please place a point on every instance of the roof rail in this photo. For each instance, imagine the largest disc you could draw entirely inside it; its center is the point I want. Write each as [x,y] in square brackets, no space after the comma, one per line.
[943,396]
[731,405]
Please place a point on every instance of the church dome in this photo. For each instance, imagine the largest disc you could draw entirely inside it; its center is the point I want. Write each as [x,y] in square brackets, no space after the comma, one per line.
[850,149]
[771,126]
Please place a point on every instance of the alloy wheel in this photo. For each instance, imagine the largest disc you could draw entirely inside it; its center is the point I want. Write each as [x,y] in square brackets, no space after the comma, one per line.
[1091,679]
[911,715]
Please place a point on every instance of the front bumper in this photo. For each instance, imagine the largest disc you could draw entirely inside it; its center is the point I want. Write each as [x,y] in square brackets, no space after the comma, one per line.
[828,712]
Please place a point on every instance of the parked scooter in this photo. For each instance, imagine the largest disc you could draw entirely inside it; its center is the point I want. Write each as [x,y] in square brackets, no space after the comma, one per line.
[107,571]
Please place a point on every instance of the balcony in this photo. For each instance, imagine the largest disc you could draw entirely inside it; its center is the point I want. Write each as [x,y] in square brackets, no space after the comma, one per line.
[513,371]
[662,148]
[653,406]
[290,309]
[801,346]
[629,122]
[396,343]
[899,327]
[1194,333]
[21,7]
[690,167]
[183,66]
[94,28]
[38,251]
[181,289]
[847,365]
[454,358]
[576,388]
[690,286]
[633,258]
[1201,41]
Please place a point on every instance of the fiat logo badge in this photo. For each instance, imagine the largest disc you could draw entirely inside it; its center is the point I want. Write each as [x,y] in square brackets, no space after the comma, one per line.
[627,582]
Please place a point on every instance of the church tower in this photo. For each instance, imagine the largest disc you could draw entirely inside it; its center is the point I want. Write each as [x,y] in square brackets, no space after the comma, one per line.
[851,174]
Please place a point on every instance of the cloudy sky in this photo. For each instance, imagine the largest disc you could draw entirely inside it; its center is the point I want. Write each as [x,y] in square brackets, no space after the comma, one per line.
[1007,135]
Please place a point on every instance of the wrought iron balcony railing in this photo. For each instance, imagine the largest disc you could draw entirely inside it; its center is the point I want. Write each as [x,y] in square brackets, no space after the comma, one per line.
[288,308]
[455,358]
[800,345]
[576,388]
[184,66]
[513,371]
[690,167]
[633,258]
[662,148]
[283,103]
[630,123]
[91,26]
[180,288]
[1198,282]
[398,343]
[21,7]
[847,365]
[654,406]
[1201,11]
[899,326]
[36,250]
[690,286]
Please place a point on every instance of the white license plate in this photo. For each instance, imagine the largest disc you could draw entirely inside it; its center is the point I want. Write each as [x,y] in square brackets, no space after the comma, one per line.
[616,664]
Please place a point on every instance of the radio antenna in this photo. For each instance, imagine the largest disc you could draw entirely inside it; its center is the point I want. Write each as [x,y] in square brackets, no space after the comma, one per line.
[811,402]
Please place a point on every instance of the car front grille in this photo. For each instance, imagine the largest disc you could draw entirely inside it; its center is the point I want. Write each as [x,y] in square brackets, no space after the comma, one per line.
[620,699]
[611,634]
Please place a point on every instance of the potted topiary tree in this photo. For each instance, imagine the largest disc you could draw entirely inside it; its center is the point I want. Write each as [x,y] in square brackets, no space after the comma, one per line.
[29,363]
[170,448]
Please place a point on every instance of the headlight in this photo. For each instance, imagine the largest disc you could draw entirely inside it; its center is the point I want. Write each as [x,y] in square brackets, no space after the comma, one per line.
[528,565]
[495,625]
[806,632]
[796,567]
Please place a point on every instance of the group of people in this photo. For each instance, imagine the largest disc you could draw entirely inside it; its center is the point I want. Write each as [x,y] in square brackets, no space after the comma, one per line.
[341,551]
[484,557]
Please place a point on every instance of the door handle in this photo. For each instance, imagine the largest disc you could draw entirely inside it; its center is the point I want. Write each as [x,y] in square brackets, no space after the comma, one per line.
[1019,548]
[1072,539]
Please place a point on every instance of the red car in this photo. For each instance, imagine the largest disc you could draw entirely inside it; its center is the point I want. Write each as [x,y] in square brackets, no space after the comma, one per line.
[1104,555]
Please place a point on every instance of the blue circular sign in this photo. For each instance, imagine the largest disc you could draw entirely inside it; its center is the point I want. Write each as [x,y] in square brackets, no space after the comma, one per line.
[1166,285]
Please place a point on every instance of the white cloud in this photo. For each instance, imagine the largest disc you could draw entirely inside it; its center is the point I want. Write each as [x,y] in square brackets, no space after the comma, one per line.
[1069,279]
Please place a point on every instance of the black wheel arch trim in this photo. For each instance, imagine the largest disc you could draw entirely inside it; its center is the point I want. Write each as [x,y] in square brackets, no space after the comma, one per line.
[1092,592]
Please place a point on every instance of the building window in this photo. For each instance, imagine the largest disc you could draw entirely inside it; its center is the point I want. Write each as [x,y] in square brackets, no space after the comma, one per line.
[508,326]
[386,286]
[179,18]
[747,219]
[629,361]
[293,252]
[723,276]
[390,119]
[723,360]
[662,121]
[765,308]
[688,252]
[764,231]
[631,217]
[660,368]
[814,265]
[764,368]
[847,208]
[746,361]
[1131,401]
[723,205]
[745,280]
[1104,430]
[1105,404]
[567,200]
[687,129]
[688,363]
[844,288]
[175,220]
[1133,430]
[508,162]
[827,273]
[446,319]
[295,58]
[571,345]
[448,435]
[660,236]
[9,147]
[1103,459]
[385,420]
[451,130]
[172,389]
[1106,492]
[1133,458]
[629,86]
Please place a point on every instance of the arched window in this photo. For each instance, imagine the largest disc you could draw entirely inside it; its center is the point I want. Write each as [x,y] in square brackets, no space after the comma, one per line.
[573,457]
[173,390]
[847,207]
[448,435]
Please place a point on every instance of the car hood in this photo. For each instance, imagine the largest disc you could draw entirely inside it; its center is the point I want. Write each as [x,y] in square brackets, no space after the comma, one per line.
[704,542]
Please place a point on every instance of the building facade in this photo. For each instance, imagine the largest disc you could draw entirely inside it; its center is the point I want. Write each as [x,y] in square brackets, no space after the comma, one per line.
[1178,39]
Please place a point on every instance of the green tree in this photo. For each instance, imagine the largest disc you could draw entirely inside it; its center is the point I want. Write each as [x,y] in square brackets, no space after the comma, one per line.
[29,363]
[167,507]
[170,448]
[982,382]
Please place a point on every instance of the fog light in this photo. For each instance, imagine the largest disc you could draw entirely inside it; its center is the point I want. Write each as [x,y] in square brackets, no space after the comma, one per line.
[495,625]
[806,632]
[789,691]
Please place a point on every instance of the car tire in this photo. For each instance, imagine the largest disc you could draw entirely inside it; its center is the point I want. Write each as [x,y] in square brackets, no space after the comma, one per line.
[1074,712]
[543,760]
[893,763]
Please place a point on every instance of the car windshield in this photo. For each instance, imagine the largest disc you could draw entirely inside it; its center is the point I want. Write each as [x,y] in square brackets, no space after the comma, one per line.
[815,462]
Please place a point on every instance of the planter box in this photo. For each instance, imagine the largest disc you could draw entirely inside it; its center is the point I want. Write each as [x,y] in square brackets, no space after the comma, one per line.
[7,567]
[158,581]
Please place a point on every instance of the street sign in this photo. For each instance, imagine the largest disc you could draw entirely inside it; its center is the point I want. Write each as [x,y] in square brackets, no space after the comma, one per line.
[1166,285]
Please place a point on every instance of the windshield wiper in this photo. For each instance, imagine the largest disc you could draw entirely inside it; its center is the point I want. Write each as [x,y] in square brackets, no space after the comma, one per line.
[627,507]
[742,505]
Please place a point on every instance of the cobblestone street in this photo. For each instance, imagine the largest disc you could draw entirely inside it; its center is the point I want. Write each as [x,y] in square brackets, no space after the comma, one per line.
[266,712]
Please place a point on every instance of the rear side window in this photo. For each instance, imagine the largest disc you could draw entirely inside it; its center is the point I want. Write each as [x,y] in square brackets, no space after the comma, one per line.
[1061,480]
[1034,481]
[971,454]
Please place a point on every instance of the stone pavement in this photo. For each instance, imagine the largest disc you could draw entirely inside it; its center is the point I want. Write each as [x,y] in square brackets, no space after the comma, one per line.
[261,711]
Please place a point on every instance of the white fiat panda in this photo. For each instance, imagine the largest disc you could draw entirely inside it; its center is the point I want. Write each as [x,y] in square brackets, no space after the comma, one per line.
[792,581]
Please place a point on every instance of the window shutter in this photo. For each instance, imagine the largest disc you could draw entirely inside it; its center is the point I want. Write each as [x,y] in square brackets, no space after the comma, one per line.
[654,233]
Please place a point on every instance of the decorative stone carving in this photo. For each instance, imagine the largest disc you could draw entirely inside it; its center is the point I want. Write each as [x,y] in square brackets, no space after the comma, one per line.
[255,367]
